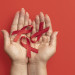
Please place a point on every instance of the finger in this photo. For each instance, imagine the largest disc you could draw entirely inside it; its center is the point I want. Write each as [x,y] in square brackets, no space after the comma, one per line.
[48,24]
[40,40]
[41,16]
[29,23]
[21,19]
[53,39]
[26,19]
[34,28]
[37,21]
[15,22]
[6,38]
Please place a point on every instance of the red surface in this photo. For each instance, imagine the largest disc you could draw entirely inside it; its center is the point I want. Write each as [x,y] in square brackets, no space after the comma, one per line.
[62,14]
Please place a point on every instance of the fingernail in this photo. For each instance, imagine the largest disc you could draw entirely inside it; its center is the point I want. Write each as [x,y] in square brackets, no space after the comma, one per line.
[41,12]
[27,13]
[22,8]
[46,15]
[56,32]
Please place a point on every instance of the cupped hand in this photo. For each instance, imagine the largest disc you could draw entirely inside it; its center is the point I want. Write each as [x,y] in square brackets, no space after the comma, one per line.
[47,44]
[14,49]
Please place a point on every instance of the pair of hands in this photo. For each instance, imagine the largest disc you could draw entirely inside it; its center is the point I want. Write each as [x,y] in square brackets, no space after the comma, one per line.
[46,45]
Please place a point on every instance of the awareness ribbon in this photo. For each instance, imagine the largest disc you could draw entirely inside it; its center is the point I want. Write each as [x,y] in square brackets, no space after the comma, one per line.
[39,33]
[28,47]
[22,31]
[25,31]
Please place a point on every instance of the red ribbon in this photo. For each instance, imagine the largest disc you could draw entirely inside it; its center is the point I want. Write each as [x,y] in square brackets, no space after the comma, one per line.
[28,47]
[24,31]
[39,33]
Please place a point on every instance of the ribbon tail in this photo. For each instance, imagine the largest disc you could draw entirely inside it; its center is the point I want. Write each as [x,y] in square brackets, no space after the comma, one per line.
[16,38]
[29,53]
[15,32]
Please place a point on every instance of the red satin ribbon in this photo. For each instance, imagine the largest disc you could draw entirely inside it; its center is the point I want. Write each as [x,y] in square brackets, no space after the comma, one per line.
[24,31]
[27,46]
[39,33]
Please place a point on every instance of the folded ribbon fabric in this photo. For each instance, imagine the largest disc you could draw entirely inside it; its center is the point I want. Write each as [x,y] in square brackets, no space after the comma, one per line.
[22,31]
[27,46]
[25,31]
[39,33]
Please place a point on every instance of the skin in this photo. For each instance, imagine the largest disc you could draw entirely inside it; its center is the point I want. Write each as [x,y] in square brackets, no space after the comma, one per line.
[15,51]
[36,65]
[46,46]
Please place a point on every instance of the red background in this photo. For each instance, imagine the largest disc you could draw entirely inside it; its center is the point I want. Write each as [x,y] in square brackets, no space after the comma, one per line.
[62,14]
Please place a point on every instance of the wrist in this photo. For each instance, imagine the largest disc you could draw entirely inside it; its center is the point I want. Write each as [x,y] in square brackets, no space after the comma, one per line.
[18,68]
[19,63]
[37,62]
[37,68]
[38,65]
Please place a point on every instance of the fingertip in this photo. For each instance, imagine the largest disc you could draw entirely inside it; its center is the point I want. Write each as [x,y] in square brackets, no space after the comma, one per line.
[37,16]
[22,9]
[56,33]
[17,12]
[3,31]
[27,14]
[41,13]
[22,12]
[46,15]
[37,19]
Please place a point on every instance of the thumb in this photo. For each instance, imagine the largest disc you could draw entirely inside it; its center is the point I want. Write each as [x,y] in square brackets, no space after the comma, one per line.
[6,38]
[53,39]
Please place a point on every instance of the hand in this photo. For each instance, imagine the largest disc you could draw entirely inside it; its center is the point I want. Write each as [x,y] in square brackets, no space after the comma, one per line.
[14,49]
[47,44]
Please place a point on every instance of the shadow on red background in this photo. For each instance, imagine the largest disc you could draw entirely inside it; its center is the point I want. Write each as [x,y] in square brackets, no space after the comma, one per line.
[62,14]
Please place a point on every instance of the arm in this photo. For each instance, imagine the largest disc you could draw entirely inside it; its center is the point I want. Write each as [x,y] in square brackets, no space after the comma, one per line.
[16,52]
[46,47]
[18,69]
[37,69]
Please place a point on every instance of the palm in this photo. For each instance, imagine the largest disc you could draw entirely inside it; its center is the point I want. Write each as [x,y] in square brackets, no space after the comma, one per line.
[45,51]
[16,52]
